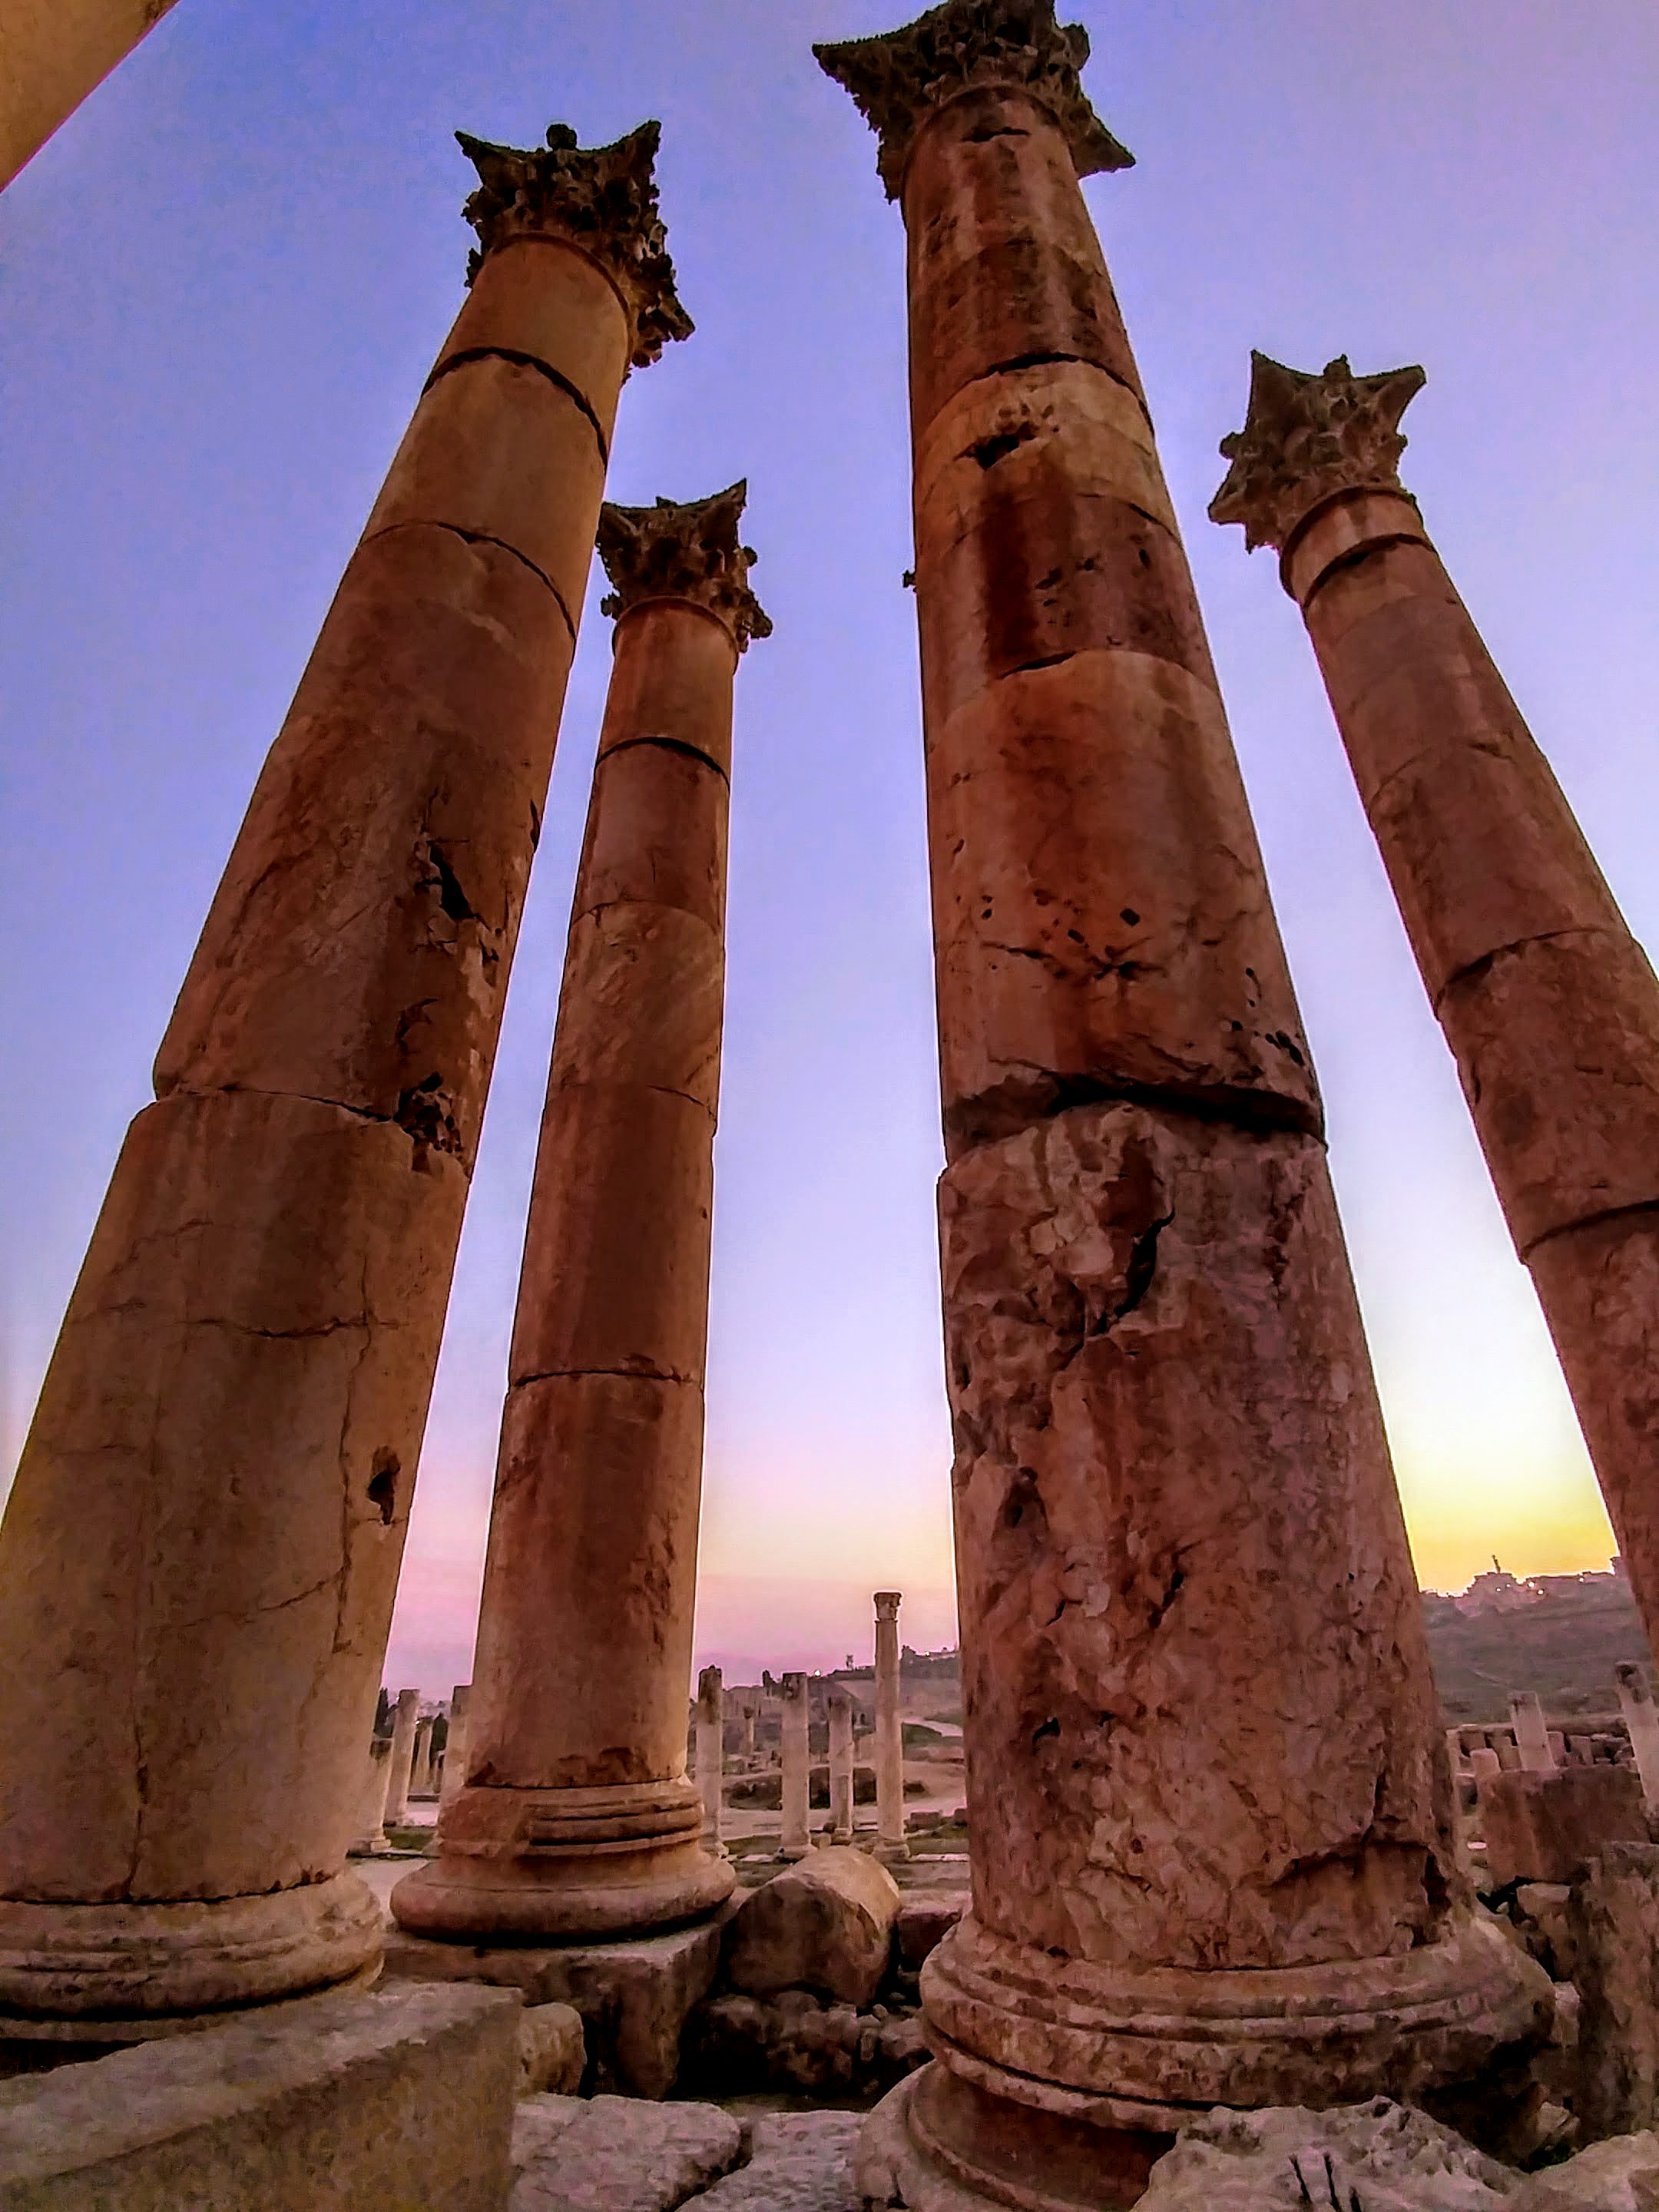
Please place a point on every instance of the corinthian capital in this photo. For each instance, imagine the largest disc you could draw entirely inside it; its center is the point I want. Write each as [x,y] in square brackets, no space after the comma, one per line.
[601,198]
[899,80]
[1307,436]
[690,552]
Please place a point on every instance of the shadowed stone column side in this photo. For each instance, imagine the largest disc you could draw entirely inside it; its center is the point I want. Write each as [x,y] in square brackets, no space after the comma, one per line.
[52,54]
[889,1733]
[201,1549]
[403,1758]
[1547,1001]
[1206,1784]
[455,1743]
[575,1816]
[795,1840]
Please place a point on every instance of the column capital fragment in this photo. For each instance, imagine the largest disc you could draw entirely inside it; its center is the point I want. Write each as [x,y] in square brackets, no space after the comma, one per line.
[691,551]
[1308,436]
[602,199]
[897,79]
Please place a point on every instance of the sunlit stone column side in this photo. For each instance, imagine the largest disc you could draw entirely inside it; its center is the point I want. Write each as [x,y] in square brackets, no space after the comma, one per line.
[889,1733]
[795,1841]
[1548,1003]
[1206,1784]
[711,1755]
[841,1765]
[200,1552]
[576,1815]
[406,1718]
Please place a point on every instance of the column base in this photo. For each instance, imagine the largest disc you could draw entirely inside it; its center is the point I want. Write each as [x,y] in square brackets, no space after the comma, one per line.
[890,1854]
[1117,2046]
[534,1866]
[127,1970]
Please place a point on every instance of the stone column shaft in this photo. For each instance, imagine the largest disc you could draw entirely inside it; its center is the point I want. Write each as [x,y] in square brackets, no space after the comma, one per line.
[711,1756]
[1635,1702]
[1532,1738]
[889,1732]
[1195,1676]
[403,1757]
[420,1775]
[841,1766]
[1548,1003]
[449,1781]
[52,54]
[248,1355]
[796,1841]
[370,1810]
[576,1815]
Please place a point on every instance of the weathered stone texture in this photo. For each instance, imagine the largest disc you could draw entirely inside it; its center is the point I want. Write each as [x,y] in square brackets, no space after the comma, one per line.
[552,2054]
[1614,1919]
[799,2162]
[345,2104]
[826,1925]
[1382,2156]
[616,2154]
[1546,1827]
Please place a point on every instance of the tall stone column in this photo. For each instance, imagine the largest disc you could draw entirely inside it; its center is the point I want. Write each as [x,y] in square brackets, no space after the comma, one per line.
[200,1552]
[1548,1003]
[52,54]
[420,1775]
[796,1840]
[1213,1858]
[711,1757]
[889,1733]
[370,1821]
[1532,1735]
[749,1727]
[406,1717]
[841,1765]
[460,1698]
[576,1815]
[1636,1701]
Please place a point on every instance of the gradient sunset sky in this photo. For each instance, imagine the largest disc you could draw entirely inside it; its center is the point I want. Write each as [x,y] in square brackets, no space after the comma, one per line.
[224,282]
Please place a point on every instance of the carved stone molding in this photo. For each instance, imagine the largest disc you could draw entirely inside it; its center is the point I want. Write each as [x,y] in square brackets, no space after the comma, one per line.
[601,198]
[1307,436]
[671,551]
[896,81]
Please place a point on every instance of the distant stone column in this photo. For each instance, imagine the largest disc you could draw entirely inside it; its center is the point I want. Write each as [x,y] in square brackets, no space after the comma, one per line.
[841,1765]
[711,1757]
[460,1700]
[1547,1001]
[796,1841]
[420,1772]
[190,1643]
[889,1733]
[1532,1738]
[749,1727]
[406,1719]
[370,1812]
[54,53]
[1206,1776]
[1484,1763]
[1635,1702]
[577,1816]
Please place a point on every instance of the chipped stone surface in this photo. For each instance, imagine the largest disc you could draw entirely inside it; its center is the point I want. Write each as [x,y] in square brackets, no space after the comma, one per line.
[1615,1921]
[343,2104]
[551,2050]
[1544,1828]
[800,2162]
[1621,2175]
[923,1923]
[618,2155]
[1381,2156]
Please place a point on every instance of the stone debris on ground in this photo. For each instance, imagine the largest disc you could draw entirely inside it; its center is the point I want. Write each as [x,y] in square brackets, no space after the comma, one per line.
[825,1925]
[799,2162]
[551,2050]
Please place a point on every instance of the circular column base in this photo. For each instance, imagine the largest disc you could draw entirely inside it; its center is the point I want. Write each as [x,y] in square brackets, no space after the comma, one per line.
[521,1866]
[937,2144]
[123,1971]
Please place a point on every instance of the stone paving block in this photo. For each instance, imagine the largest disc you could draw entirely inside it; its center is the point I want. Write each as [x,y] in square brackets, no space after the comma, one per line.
[345,2104]
[801,2162]
[624,2154]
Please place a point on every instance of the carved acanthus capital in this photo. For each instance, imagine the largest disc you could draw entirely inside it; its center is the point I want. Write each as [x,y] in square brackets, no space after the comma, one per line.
[692,552]
[899,80]
[601,198]
[1307,436]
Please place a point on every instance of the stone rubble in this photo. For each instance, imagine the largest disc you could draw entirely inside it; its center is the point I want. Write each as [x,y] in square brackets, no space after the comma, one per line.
[619,2154]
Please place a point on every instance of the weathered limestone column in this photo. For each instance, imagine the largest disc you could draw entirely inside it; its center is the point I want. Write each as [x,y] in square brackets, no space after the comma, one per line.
[1214,1857]
[889,1733]
[576,1816]
[711,1757]
[1532,1735]
[749,1727]
[420,1773]
[371,1808]
[1635,1702]
[405,1719]
[1548,1003]
[460,1698]
[200,1552]
[52,54]
[796,1841]
[841,1765]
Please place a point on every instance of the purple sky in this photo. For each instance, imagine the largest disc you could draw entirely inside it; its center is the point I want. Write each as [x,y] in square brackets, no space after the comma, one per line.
[225,280]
